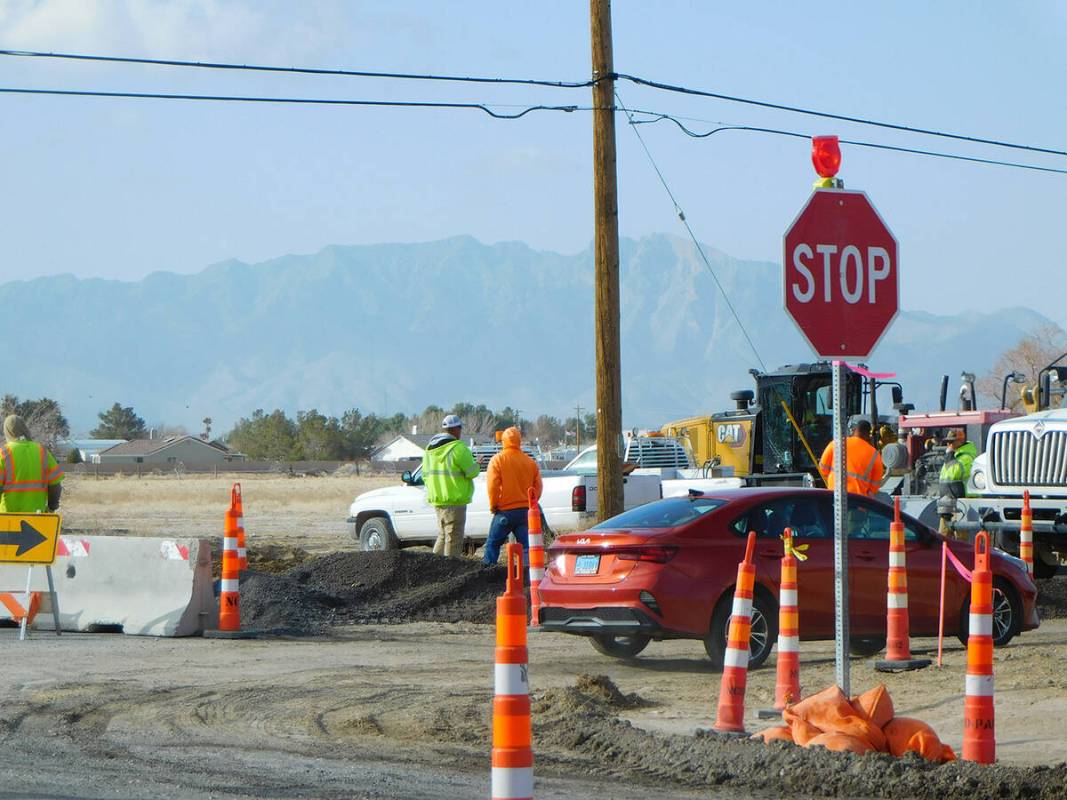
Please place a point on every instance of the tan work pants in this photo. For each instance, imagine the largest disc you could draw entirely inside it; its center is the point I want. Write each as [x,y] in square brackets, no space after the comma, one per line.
[450,521]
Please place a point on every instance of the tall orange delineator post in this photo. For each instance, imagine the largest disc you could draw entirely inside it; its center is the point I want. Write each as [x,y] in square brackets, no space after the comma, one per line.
[235,501]
[731,714]
[1026,534]
[787,685]
[512,764]
[979,738]
[230,586]
[898,639]
[537,556]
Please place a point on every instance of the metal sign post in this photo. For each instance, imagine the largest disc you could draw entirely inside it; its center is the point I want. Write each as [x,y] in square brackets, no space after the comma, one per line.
[840,533]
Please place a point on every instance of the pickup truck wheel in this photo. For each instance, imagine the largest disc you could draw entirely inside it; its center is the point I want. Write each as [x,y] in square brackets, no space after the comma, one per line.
[1046,563]
[866,646]
[377,534]
[1007,614]
[763,635]
[620,646]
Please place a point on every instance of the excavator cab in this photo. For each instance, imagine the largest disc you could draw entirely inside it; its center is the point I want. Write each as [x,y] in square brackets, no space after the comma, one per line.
[805,393]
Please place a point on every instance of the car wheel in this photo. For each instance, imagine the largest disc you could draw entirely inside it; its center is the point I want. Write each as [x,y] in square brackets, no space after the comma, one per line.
[377,534]
[866,646]
[764,631]
[1007,614]
[620,646]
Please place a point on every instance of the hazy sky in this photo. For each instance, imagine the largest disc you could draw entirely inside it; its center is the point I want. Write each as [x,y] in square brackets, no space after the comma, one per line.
[121,188]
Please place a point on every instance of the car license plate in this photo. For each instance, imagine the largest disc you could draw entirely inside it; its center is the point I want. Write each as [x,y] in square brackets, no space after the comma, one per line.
[586,565]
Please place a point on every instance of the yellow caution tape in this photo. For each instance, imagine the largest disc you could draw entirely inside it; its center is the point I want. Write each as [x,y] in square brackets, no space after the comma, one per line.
[795,550]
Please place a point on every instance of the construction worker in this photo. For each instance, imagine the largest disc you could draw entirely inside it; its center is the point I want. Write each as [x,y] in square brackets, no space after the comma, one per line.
[31,476]
[449,470]
[959,455]
[511,475]
[864,469]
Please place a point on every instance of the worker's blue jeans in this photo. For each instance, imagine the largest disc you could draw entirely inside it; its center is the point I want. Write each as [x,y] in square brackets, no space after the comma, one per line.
[505,522]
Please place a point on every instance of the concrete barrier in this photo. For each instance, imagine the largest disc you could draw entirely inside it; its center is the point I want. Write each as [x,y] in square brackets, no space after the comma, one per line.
[141,586]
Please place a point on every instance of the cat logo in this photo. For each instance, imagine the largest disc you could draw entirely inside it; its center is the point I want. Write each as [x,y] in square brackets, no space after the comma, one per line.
[732,434]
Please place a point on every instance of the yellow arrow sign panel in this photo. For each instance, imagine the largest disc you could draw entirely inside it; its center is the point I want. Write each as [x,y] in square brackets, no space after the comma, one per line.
[28,538]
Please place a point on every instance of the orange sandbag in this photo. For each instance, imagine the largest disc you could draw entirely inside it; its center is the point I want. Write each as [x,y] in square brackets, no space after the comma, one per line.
[841,742]
[779,733]
[831,712]
[906,735]
[875,706]
[803,731]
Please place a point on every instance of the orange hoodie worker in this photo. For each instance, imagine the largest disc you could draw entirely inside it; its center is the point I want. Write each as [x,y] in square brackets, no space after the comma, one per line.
[510,476]
[864,469]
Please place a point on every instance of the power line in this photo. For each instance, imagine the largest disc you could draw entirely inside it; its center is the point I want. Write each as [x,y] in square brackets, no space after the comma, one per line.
[874,145]
[351,73]
[283,100]
[840,117]
[482,79]
[681,215]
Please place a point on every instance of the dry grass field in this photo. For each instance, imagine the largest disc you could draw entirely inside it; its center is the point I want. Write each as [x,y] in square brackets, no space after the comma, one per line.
[306,512]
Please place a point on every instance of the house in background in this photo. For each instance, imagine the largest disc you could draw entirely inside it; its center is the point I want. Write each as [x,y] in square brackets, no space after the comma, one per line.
[88,449]
[405,448]
[170,450]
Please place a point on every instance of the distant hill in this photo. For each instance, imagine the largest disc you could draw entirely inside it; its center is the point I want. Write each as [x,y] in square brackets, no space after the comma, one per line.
[394,327]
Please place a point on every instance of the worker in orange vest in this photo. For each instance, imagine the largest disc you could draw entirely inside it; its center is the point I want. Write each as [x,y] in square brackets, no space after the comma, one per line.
[864,469]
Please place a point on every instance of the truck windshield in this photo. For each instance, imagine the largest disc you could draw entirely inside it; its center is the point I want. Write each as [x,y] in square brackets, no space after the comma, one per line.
[669,513]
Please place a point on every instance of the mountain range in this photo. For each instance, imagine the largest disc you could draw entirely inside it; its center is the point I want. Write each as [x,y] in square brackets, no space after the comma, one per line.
[395,327]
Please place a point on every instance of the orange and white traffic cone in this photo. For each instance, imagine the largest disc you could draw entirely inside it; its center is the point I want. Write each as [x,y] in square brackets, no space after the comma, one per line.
[537,557]
[898,639]
[512,765]
[731,714]
[1026,534]
[230,585]
[235,501]
[979,738]
[787,685]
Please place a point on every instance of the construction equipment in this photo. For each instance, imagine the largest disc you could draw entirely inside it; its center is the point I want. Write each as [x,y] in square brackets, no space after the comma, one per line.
[777,433]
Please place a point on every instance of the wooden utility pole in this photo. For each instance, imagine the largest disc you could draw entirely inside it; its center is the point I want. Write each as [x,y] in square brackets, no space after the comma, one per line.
[578,428]
[608,381]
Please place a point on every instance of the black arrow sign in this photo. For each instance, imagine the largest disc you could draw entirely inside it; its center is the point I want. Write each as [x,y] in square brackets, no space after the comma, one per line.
[26,539]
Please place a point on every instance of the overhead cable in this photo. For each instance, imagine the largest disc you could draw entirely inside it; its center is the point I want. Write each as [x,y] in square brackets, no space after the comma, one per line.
[283,100]
[351,73]
[681,215]
[840,117]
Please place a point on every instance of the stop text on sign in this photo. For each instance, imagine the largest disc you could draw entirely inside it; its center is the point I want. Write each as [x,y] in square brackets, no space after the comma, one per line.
[846,273]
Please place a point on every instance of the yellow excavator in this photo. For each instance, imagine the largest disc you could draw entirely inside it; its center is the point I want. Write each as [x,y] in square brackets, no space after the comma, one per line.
[777,433]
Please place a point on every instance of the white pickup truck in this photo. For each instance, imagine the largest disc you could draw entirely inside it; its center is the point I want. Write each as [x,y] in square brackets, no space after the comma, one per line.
[399,516]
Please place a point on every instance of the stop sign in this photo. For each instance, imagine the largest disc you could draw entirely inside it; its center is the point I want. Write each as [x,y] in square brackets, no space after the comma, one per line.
[841,274]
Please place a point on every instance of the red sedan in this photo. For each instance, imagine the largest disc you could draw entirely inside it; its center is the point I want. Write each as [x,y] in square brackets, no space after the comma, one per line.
[666,570]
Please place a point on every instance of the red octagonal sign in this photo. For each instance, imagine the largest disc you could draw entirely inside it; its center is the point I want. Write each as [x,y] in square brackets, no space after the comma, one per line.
[841,274]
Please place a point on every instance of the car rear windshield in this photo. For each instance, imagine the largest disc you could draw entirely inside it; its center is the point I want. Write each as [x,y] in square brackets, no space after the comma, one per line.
[669,513]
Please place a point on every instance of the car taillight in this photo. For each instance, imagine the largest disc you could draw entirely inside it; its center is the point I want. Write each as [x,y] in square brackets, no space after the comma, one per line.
[578,498]
[657,555]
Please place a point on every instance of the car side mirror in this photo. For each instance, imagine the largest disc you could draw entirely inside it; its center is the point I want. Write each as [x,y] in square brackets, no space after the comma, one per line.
[405,476]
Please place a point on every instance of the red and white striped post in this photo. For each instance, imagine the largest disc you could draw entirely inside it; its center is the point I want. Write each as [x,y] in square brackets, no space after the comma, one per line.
[1026,534]
[979,737]
[537,556]
[235,501]
[731,713]
[511,773]
[787,685]
[898,640]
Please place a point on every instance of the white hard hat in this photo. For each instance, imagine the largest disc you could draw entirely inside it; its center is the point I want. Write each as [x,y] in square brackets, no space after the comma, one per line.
[451,421]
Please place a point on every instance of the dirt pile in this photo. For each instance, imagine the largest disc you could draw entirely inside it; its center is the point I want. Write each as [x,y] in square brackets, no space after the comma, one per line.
[371,588]
[578,722]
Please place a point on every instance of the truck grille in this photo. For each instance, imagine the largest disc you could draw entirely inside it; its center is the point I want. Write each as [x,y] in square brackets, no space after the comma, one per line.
[1021,459]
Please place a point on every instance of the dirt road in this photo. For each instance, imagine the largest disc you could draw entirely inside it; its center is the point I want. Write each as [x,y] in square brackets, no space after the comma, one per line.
[403,711]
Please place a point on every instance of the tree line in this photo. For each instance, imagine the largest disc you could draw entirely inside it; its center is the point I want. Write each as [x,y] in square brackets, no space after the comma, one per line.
[353,436]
